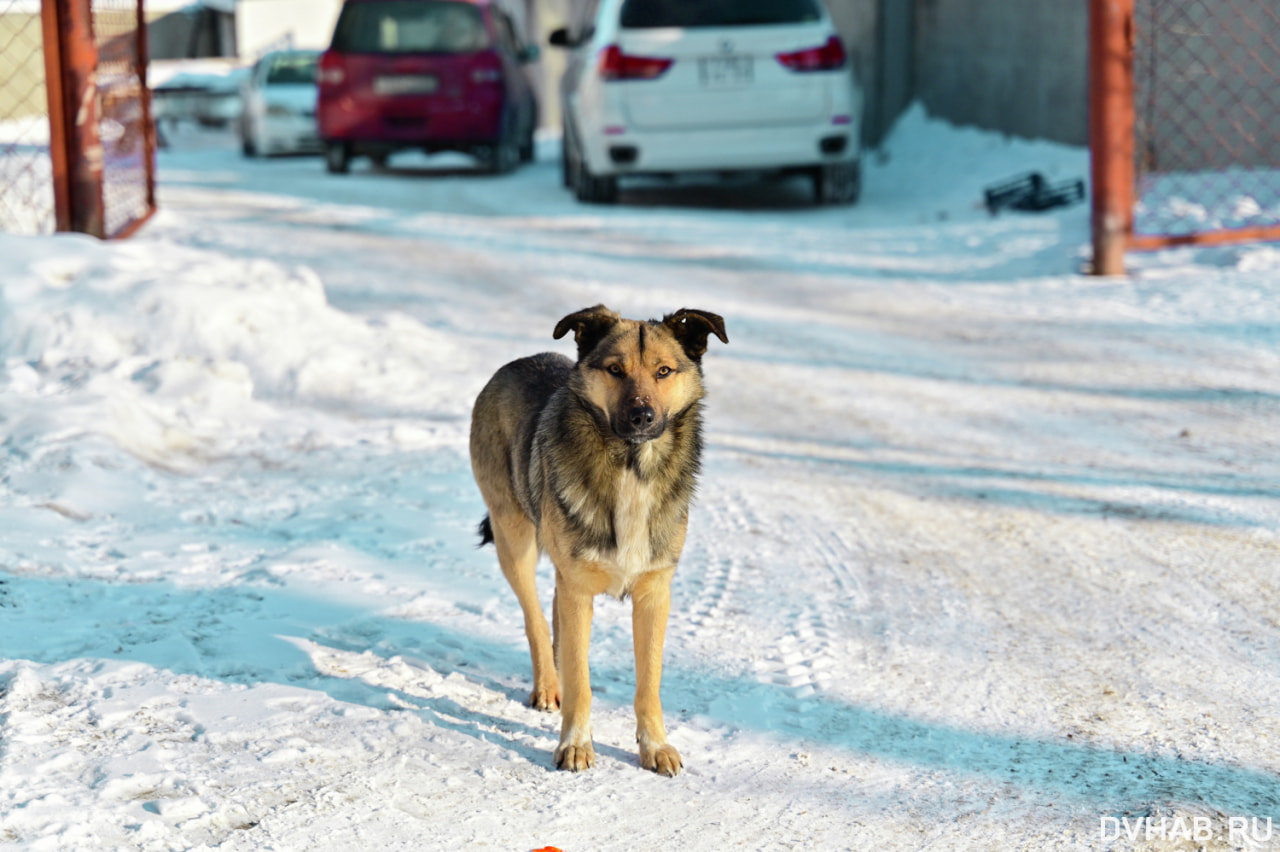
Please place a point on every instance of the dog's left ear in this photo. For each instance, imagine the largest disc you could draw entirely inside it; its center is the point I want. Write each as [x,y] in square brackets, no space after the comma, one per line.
[691,328]
[590,325]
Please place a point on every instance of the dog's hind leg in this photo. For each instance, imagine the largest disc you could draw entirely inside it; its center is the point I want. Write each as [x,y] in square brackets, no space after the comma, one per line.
[650,606]
[516,539]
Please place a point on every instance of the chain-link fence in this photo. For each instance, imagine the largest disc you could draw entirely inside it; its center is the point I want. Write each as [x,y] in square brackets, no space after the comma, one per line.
[76,138]
[1207,115]
[1184,124]
[26,175]
[124,120]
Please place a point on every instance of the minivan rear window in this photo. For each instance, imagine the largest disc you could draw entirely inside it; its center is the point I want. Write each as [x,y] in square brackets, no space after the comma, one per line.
[409,26]
[292,68]
[650,14]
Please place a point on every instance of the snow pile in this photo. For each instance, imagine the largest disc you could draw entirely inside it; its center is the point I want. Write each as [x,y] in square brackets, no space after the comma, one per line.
[182,348]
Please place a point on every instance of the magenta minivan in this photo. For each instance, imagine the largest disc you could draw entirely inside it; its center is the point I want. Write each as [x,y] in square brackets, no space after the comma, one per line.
[433,75]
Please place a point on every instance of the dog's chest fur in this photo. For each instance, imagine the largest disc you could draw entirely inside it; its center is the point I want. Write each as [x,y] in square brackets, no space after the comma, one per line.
[620,508]
[632,553]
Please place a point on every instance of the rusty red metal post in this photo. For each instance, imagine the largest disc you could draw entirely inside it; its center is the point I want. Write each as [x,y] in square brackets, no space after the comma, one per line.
[1111,122]
[57,118]
[71,59]
[148,121]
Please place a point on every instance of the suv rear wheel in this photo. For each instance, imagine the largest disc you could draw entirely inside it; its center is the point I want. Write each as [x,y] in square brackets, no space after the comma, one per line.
[587,187]
[594,189]
[838,183]
[567,166]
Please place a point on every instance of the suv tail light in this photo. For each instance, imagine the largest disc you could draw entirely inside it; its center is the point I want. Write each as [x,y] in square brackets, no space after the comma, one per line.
[331,71]
[829,57]
[616,65]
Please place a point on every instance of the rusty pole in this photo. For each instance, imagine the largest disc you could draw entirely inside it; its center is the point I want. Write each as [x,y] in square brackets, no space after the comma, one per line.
[1111,124]
[142,59]
[71,59]
[57,118]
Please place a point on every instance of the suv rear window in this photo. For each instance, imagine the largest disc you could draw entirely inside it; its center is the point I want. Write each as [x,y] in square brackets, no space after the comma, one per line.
[409,26]
[649,14]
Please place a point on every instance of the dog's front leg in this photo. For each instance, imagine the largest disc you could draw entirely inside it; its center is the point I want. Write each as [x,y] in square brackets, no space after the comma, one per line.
[573,610]
[651,603]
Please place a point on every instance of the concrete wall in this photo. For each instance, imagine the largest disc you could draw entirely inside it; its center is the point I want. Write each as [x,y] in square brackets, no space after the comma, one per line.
[859,22]
[1019,66]
[266,25]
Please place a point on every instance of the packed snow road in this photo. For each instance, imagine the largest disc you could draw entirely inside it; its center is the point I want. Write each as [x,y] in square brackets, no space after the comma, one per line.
[984,556]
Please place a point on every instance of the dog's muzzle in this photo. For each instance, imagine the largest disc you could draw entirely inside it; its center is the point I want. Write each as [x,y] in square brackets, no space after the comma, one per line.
[640,424]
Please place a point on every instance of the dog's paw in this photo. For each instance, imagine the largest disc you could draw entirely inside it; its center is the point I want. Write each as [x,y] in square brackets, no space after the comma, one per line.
[547,700]
[575,758]
[664,760]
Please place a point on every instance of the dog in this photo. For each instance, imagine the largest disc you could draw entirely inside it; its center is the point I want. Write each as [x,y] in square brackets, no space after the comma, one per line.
[594,462]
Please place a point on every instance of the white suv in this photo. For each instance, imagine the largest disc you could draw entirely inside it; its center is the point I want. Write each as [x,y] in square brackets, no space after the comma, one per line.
[666,86]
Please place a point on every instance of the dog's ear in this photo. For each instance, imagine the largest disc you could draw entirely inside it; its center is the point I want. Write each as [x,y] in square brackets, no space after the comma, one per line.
[589,325]
[691,328]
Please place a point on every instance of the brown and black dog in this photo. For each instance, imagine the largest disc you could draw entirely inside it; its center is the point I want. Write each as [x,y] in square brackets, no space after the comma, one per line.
[595,463]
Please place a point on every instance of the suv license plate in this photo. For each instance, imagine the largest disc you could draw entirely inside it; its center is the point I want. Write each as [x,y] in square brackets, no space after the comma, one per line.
[406,84]
[726,72]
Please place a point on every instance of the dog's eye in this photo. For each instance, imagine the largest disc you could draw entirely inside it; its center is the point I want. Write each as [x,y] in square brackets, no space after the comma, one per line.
[663,372]
[614,370]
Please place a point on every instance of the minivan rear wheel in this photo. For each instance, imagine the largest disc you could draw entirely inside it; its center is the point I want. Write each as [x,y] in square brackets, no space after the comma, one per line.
[337,158]
[500,158]
[503,155]
[528,147]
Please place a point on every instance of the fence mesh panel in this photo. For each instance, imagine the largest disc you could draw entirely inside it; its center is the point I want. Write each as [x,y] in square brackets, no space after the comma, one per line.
[26,173]
[1206,116]
[122,124]
[28,200]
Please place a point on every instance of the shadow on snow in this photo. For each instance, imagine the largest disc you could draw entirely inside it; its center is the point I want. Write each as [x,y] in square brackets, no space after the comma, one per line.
[1114,779]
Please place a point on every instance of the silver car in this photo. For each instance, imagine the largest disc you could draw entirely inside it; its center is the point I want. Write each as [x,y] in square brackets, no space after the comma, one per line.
[279,105]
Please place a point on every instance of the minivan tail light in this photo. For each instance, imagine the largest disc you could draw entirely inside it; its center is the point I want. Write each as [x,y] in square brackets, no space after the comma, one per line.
[330,71]
[616,65]
[487,68]
[829,57]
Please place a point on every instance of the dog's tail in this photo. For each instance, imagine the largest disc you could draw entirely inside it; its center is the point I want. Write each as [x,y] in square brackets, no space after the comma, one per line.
[486,532]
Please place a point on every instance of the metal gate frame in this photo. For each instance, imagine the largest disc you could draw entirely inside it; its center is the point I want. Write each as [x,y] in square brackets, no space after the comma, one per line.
[1112,126]
[75,146]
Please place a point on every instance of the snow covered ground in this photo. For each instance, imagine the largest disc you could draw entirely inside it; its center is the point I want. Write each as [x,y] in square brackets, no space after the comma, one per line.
[985,554]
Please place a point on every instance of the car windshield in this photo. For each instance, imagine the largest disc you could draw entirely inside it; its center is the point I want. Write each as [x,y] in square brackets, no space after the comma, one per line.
[292,69]
[409,26]
[649,14]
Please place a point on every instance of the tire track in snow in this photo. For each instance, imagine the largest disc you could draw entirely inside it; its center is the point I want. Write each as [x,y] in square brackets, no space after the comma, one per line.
[805,657]
[762,606]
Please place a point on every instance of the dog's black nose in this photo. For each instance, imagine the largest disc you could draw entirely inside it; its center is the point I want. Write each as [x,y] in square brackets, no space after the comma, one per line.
[642,416]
